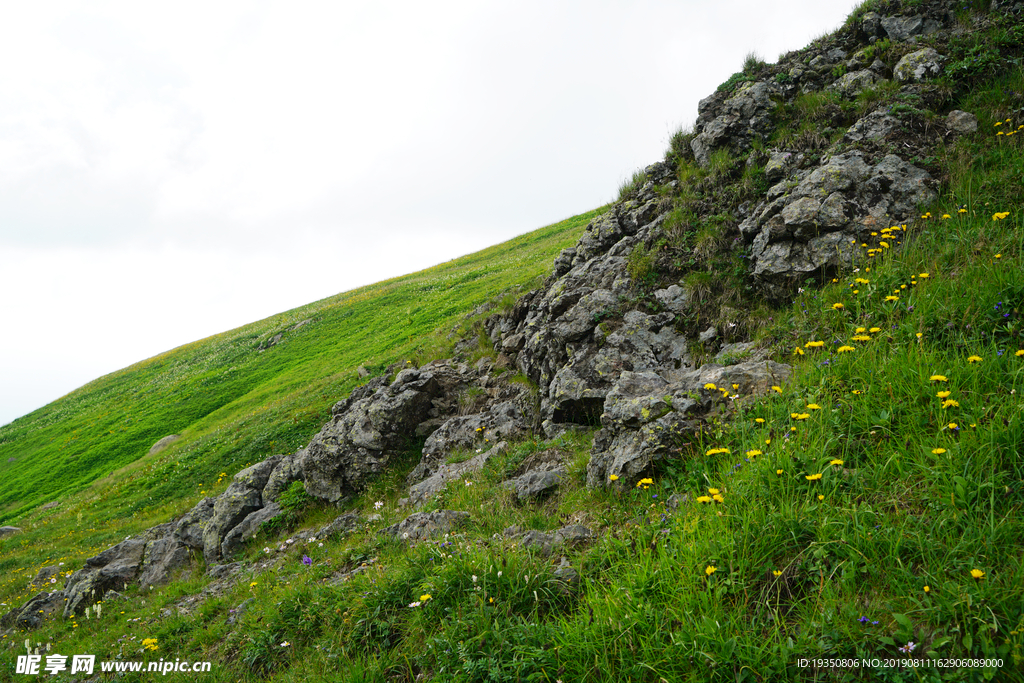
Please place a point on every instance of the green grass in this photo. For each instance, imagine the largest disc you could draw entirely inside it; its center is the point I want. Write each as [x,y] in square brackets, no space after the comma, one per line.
[234,404]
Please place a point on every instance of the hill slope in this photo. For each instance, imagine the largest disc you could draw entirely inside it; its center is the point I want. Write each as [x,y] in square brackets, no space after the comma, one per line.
[761,422]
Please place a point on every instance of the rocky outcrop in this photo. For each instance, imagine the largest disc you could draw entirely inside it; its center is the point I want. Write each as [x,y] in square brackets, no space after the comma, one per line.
[814,224]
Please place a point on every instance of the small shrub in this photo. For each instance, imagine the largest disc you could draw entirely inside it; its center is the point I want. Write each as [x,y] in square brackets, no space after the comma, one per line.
[640,263]
[295,498]
[753,63]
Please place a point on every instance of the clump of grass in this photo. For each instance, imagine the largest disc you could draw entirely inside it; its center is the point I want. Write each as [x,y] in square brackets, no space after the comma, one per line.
[630,187]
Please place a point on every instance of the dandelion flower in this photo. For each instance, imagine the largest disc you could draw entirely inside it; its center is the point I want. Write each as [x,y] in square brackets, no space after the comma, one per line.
[710,387]
[753,453]
[814,344]
[845,349]
[704,500]
[813,477]
[613,477]
[798,351]
[760,420]
[927,589]
[938,378]
[425,597]
[821,496]
[837,307]
[714,492]
[777,572]
[950,403]
[861,337]
[710,570]
[974,359]
[778,472]
[718,498]
[813,406]
[1020,352]
[836,461]
[873,330]
[977,574]
[943,394]
[892,298]
[777,389]
[952,425]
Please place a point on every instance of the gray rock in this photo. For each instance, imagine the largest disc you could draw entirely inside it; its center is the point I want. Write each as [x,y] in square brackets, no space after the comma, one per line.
[189,529]
[738,118]
[567,578]
[675,500]
[423,525]
[362,372]
[163,443]
[224,571]
[39,608]
[740,352]
[284,473]
[636,398]
[708,335]
[875,126]
[444,473]
[871,25]
[162,558]
[777,166]
[340,525]
[9,531]
[852,83]
[230,508]
[45,574]
[902,28]
[795,242]
[962,122]
[674,298]
[535,484]
[918,66]
[245,530]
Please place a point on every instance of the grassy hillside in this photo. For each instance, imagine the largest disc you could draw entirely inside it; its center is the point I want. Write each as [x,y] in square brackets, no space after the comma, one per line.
[870,509]
[233,403]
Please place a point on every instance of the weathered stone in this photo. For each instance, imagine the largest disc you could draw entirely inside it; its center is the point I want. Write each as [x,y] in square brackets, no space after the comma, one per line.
[39,608]
[284,473]
[535,483]
[919,65]
[340,524]
[852,83]
[902,28]
[567,578]
[163,443]
[423,525]
[189,529]
[875,126]
[245,530]
[162,558]
[230,508]
[674,298]
[9,531]
[447,472]
[45,574]
[962,122]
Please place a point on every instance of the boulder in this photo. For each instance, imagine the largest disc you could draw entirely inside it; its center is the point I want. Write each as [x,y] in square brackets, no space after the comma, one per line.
[444,473]
[918,66]
[39,608]
[852,83]
[189,529]
[875,126]
[962,122]
[230,508]
[245,530]
[423,525]
[163,443]
[9,531]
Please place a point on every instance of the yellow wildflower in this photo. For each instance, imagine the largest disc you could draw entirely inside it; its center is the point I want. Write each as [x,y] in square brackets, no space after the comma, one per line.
[710,570]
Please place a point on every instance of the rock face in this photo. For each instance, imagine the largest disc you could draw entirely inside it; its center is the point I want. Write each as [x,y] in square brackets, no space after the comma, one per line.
[814,227]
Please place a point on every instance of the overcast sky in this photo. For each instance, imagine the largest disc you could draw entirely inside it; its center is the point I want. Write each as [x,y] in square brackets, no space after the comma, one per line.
[169,171]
